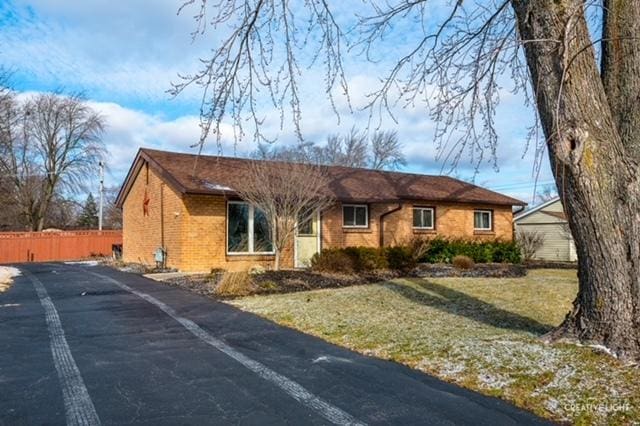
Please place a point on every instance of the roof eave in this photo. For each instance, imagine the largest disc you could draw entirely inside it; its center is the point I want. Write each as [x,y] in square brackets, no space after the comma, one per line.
[535,209]
[139,160]
[368,200]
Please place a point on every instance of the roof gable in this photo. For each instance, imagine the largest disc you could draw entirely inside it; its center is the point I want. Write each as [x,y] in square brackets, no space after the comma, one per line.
[548,209]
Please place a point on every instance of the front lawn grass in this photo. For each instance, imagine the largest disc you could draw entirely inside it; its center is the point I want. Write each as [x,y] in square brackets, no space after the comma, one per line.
[481,333]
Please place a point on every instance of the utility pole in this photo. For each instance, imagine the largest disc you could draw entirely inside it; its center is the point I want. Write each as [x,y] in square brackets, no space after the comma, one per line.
[101,194]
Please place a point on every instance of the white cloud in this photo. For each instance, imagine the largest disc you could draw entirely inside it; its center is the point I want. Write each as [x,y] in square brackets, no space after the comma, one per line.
[132,49]
[127,130]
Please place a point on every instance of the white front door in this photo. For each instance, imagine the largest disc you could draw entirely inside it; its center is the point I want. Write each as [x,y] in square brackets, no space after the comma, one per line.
[307,241]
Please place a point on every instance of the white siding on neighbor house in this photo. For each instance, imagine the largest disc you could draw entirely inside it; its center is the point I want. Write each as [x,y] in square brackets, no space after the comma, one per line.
[539,217]
[558,242]
[554,207]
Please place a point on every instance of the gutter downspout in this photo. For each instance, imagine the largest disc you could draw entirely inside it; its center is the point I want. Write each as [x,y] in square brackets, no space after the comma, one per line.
[164,250]
[513,222]
[382,216]
[520,210]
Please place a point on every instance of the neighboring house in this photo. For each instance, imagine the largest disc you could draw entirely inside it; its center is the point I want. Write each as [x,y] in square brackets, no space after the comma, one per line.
[202,224]
[549,220]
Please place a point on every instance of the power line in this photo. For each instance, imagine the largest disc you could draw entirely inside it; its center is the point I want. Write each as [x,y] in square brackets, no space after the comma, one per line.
[27,175]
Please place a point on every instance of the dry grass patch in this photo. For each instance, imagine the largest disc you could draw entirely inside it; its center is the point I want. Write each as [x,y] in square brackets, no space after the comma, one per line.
[482,333]
[233,284]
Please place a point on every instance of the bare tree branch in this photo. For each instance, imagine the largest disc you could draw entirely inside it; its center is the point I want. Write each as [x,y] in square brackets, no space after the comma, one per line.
[287,193]
[259,55]
[381,151]
[386,151]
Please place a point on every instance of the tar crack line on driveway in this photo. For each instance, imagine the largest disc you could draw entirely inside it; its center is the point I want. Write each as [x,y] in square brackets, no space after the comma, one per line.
[330,412]
[79,409]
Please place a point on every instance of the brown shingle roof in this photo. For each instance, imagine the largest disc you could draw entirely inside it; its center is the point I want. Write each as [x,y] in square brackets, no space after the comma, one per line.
[217,175]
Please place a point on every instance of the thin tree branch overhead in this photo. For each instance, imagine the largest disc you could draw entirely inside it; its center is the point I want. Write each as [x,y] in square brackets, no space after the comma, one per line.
[258,63]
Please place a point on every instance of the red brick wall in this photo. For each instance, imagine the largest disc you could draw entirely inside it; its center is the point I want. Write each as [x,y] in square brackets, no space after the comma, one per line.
[143,234]
[452,221]
[193,227]
[205,239]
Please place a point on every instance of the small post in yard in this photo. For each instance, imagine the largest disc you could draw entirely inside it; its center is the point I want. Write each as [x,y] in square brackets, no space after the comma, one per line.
[101,163]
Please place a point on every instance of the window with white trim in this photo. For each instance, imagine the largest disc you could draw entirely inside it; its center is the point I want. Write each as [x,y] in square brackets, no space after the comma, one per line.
[305,225]
[355,216]
[423,218]
[483,220]
[248,230]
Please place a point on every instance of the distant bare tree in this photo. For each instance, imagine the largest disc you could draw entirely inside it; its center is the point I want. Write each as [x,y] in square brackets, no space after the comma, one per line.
[287,193]
[386,151]
[345,150]
[331,153]
[112,214]
[62,213]
[304,152]
[264,151]
[529,243]
[547,193]
[355,149]
[10,218]
[49,144]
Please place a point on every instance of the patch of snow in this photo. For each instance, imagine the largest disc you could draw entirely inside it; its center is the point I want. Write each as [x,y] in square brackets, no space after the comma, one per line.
[8,272]
[451,369]
[215,186]
[83,262]
[560,380]
[517,355]
[604,349]
[493,381]
[330,358]
[553,405]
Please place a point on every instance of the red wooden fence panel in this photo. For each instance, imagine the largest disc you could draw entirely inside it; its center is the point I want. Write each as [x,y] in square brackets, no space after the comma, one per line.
[17,247]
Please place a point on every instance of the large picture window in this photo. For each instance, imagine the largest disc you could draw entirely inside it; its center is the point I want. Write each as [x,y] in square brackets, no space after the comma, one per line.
[483,220]
[355,216]
[248,230]
[423,217]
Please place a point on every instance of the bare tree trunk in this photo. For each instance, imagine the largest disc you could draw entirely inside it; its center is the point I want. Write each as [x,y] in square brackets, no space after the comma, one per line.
[621,68]
[276,263]
[596,174]
[45,203]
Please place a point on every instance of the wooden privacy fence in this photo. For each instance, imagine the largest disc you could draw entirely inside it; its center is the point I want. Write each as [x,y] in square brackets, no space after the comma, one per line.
[17,247]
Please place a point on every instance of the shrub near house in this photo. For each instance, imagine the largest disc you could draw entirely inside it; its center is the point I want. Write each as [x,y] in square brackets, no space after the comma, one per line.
[463,254]
[443,251]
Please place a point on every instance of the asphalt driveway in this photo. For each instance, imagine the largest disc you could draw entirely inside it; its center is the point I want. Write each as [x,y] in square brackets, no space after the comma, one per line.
[90,345]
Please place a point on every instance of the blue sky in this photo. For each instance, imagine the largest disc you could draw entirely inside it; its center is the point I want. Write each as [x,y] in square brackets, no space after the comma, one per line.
[124,54]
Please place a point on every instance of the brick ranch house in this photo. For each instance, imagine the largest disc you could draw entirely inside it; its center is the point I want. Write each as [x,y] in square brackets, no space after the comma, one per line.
[202,224]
